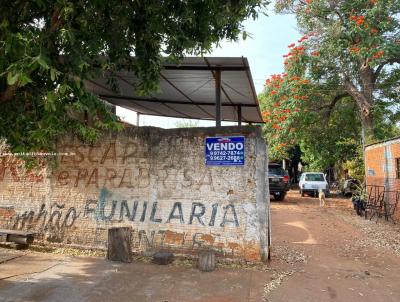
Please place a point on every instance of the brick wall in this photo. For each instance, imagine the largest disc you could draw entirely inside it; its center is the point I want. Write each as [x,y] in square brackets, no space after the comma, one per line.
[151,179]
[381,167]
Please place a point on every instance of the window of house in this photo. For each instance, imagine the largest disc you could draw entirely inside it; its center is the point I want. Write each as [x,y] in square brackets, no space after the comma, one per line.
[398,168]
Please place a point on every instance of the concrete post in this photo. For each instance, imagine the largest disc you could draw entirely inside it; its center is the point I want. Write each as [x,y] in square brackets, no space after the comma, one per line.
[262,197]
[218,98]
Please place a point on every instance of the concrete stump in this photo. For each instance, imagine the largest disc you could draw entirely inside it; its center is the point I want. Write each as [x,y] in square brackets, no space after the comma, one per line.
[163,258]
[18,246]
[207,261]
[119,244]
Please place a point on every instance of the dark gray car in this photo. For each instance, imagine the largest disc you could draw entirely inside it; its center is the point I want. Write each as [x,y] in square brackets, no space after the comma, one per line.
[278,181]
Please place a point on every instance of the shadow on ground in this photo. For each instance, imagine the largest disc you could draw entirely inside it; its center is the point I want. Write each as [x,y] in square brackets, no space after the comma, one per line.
[47,277]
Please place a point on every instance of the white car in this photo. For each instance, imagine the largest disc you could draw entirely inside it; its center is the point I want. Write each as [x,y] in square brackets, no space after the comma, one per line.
[311,182]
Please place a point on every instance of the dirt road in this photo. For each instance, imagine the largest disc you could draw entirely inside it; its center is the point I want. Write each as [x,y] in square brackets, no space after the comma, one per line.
[330,254]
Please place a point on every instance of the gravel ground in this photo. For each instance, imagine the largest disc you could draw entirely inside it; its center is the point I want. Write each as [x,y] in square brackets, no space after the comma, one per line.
[288,254]
[378,233]
[286,261]
[276,280]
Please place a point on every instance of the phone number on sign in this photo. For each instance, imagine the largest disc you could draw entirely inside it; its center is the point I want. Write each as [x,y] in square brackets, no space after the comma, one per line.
[234,152]
[222,158]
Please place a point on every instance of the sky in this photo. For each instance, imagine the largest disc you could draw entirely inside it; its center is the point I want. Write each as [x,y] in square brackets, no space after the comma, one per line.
[270,36]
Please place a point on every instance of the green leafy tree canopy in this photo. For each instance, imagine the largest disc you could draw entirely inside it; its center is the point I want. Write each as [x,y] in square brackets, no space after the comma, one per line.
[47,48]
[313,104]
[187,124]
[351,47]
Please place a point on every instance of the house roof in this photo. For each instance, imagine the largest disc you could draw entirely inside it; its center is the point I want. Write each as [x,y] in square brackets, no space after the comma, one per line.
[188,90]
[390,140]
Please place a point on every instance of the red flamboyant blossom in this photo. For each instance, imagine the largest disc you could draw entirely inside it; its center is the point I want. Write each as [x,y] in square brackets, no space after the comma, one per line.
[359,20]
[303,39]
[378,54]
[354,49]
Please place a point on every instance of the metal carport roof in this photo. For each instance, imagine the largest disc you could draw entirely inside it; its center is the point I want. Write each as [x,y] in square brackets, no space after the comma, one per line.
[190,90]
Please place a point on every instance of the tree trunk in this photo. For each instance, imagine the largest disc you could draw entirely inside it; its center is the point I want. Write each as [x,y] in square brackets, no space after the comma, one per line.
[8,93]
[364,100]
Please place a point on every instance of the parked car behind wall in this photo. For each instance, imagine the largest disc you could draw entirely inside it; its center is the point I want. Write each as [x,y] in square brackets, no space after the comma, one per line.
[311,182]
[278,181]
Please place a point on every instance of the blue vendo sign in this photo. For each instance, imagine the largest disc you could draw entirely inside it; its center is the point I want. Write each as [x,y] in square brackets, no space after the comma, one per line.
[225,151]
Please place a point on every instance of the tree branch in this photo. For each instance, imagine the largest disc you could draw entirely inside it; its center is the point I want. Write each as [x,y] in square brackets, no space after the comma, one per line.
[382,65]
[332,104]
[55,21]
[359,97]
[8,93]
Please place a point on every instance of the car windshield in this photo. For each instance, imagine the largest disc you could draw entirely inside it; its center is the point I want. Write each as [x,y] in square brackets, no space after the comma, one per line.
[314,177]
[276,170]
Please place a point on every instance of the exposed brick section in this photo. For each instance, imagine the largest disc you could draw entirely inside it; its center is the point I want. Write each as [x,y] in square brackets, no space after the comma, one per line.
[381,166]
[150,179]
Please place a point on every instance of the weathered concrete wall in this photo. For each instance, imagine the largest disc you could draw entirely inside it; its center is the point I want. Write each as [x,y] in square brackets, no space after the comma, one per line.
[381,167]
[151,179]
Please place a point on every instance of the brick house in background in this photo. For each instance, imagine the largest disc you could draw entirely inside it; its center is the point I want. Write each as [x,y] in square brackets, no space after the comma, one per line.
[382,164]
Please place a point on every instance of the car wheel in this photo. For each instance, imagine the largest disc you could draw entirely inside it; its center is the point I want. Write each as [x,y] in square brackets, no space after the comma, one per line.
[301,193]
[279,197]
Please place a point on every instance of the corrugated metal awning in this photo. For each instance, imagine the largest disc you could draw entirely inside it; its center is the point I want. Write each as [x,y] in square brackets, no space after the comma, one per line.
[188,90]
